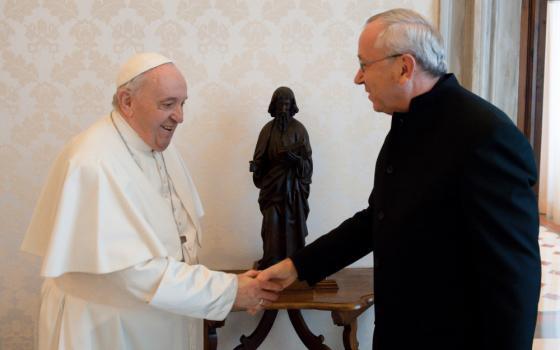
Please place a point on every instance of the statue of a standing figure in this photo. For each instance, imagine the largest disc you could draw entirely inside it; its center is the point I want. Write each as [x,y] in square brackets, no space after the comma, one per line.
[282,169]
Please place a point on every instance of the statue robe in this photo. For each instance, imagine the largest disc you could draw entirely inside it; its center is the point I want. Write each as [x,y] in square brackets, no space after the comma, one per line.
[284,188]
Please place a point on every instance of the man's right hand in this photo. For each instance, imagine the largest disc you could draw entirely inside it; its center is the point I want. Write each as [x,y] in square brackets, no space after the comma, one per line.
[283,273]
[254,294]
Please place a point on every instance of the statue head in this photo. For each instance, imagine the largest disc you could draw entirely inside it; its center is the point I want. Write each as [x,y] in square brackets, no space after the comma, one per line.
[283,101]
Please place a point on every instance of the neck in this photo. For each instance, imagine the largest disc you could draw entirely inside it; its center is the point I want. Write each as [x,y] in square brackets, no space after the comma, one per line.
[423,84]
[420,85]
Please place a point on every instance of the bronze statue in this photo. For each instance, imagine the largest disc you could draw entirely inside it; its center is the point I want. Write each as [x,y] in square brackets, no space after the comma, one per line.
[282,169]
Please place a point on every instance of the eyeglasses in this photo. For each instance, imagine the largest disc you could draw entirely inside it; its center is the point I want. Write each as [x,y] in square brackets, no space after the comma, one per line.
[363,65]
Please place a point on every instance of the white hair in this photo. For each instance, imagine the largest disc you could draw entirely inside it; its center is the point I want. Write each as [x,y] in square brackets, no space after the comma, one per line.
[132,86]
[408,32]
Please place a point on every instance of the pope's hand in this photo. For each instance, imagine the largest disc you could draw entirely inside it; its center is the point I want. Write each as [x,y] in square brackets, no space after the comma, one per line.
[283,273]
[253,294]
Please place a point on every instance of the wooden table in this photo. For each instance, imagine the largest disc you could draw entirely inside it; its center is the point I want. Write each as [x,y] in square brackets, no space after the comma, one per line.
[353,297]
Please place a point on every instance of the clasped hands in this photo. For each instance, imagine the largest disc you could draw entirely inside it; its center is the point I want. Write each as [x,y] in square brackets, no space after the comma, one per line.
[258,289]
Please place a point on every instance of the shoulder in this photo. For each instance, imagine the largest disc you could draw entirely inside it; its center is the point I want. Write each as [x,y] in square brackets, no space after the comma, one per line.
[296,123]
[96,144]
[266,128]
[474,119]
[488,135]
[268,125]
[297,126]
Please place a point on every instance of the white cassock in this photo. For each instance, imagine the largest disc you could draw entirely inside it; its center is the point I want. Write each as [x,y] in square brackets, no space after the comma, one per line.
[107,225]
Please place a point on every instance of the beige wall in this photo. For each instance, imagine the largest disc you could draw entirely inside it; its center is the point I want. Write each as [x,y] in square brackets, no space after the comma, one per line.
[57,62]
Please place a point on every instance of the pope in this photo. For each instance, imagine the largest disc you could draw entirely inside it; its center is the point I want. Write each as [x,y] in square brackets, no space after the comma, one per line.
[118,227]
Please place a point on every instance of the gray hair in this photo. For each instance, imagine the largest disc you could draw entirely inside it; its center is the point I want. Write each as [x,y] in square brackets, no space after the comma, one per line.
[408,32]
[132,86]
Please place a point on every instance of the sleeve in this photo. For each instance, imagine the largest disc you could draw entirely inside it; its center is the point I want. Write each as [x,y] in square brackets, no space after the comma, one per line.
[305,166]
[173,286]
[347,243]
[259,161]
[502,222]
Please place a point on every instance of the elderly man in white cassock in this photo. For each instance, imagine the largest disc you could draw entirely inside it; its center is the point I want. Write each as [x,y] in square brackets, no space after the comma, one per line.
[117,225]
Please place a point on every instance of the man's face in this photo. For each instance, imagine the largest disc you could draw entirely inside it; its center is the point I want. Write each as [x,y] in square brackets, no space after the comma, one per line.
[380,72]
[157,106]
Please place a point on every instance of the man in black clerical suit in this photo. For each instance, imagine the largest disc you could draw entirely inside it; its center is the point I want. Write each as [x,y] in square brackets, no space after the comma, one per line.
[452,219]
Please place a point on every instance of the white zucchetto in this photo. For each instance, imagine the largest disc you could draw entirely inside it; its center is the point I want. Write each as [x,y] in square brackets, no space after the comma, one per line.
[139,64]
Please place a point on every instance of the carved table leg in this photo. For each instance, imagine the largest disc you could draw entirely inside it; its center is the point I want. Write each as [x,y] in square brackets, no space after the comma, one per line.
[310,340]
[348,319]
[349,336]
[259,334]
[210,334]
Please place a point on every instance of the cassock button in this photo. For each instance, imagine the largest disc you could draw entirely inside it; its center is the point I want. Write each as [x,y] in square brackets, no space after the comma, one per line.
[380,215]
[389,169]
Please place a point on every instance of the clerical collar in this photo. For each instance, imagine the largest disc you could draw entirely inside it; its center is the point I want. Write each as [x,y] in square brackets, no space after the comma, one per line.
[423,105]
[131,138]
[431,98]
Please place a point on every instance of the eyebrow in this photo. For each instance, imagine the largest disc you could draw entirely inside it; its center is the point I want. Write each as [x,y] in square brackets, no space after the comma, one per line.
[171,99]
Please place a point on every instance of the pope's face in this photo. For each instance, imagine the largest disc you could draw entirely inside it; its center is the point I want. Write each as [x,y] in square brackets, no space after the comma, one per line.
[156,108]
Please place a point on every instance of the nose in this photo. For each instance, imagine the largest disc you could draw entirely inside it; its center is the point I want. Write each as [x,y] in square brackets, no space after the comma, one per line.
[178,114]
[359,78]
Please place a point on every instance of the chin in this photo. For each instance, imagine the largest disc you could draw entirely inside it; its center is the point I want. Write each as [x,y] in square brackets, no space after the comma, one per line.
[161,148]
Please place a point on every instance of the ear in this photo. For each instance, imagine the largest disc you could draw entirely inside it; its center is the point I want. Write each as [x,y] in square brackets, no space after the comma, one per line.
[124,99]
[407,67]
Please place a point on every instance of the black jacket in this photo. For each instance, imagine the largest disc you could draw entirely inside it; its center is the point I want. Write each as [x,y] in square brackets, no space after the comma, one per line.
[453,224]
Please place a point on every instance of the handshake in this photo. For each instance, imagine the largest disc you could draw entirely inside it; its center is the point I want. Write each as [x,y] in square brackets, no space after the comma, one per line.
[258,289]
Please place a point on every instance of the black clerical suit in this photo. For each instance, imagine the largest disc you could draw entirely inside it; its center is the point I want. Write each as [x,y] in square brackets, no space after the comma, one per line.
[453,224]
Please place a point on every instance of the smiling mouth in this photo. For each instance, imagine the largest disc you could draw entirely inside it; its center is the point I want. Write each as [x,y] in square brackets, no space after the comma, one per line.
[168,128]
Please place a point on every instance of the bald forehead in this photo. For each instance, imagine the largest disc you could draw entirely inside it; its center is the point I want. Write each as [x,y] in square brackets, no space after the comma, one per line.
[368,37]
[371,32]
